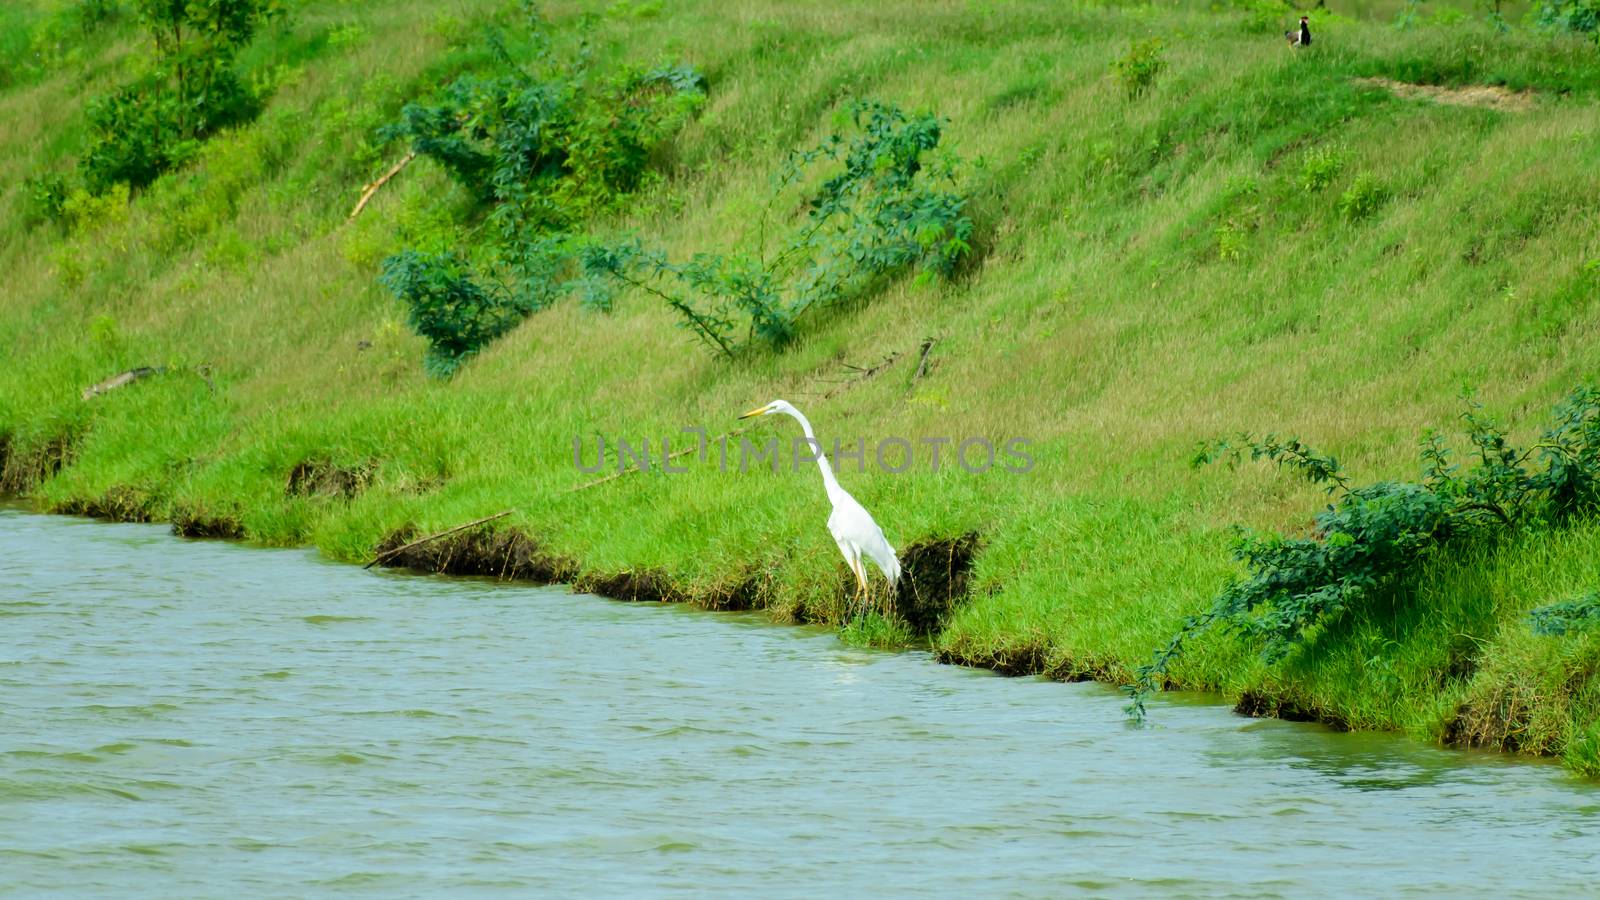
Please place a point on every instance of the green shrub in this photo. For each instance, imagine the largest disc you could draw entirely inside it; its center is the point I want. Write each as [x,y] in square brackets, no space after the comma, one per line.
[1575,615]
[1320,169]
[47,194]
[1374,536]
[191,91]
[1576,16]
[1231,241]
[82,211]
[1363,198]
[1137,69]
[541,152]
[883,211]
[445,305]
[549,151]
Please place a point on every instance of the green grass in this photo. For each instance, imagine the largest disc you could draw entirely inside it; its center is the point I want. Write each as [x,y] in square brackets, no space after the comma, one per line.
[1157,273]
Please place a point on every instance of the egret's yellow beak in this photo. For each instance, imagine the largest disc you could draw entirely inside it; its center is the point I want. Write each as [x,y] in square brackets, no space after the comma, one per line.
[755,412]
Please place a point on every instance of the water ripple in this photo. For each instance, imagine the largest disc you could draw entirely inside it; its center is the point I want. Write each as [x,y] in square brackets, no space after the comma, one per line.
[199,719]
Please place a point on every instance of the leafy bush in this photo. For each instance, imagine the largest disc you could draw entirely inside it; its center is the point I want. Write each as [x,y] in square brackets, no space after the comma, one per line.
[1320,169]
[1137,69]
[882,212]
[445,305]
[1575,615]
[190,92]
[1577,16]
[541,150]
[1363,198]
[1231,241]
[1374,536]
[82,211]
[548,151]
[47,194]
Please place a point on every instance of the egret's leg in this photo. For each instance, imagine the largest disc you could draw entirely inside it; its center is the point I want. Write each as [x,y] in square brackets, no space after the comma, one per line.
[853,560]
[862,594]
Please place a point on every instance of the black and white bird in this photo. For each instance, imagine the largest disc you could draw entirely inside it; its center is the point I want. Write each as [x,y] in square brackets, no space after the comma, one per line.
[1302,37]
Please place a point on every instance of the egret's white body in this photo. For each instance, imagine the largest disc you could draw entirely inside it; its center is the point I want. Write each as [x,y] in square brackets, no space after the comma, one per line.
[858,536]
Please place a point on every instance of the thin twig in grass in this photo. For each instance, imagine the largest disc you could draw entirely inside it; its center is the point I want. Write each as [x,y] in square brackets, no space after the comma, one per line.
[862,374]
[390,554]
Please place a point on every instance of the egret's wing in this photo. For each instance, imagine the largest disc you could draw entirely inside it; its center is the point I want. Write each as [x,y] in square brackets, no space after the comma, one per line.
[852,523]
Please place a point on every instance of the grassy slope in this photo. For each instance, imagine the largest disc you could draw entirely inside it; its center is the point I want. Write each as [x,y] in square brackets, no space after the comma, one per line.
[1104,326]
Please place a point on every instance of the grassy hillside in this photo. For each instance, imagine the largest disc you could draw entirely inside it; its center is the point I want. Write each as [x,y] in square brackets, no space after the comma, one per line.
[1153,272]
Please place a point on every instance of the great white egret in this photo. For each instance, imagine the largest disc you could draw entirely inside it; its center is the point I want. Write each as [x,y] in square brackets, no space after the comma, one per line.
[857,535]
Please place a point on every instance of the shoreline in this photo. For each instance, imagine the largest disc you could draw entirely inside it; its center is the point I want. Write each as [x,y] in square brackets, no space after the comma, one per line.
[510,556]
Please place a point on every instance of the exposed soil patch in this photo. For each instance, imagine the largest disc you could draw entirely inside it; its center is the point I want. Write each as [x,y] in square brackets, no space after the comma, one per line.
[510,554]
[1034,659]
[1490,96]
[1262,706]
[193,523]
[322,478]
[739,593]
[1015,662]
[1499,715]
[934,580]
[506,554]
[1498,722]
[633,585]
[120,503]
[1488,726]
[25,468]
[743,592]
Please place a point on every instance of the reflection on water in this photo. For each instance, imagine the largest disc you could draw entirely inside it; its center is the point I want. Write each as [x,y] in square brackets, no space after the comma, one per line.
[193,718]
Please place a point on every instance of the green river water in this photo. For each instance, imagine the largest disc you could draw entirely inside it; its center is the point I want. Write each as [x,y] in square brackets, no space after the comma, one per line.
[200,719]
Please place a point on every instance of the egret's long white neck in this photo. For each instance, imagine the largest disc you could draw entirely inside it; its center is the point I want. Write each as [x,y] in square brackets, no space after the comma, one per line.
[830,483]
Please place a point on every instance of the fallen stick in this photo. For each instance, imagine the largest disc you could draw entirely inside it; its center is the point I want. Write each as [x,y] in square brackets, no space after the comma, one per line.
[372,188]
[116,381]
[390,554]
[862,375]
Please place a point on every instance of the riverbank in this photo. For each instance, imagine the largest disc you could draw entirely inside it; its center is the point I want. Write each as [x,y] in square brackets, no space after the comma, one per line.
[1156,271]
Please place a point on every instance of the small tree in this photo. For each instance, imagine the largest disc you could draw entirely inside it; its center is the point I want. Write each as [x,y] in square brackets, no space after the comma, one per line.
[1137,69]
[189,92]
[888,206]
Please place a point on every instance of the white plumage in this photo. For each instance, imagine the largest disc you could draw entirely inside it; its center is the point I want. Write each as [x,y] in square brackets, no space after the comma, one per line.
[852,527]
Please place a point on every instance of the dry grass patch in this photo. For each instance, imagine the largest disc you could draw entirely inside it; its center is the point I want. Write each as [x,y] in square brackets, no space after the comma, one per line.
[1491,96]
